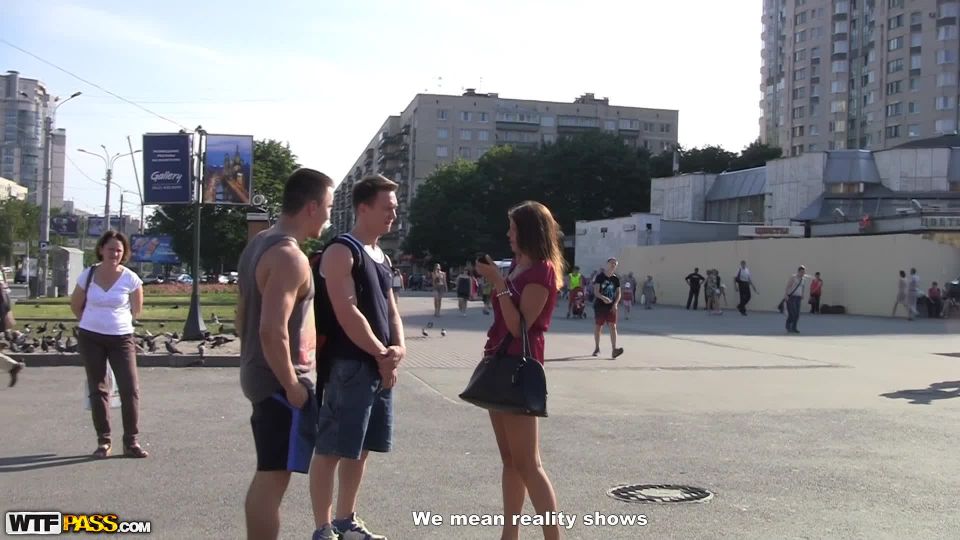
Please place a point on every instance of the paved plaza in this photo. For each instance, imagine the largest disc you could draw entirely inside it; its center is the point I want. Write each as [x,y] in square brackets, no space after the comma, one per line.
[849,430]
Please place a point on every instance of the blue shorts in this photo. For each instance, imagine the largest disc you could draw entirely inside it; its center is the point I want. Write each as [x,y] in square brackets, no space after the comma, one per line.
[356,414]
[283,435]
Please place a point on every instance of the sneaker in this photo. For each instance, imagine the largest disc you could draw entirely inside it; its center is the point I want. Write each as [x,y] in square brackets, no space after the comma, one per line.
[326,533]
[596,352]
[353,528]
[617,352]
[14,372]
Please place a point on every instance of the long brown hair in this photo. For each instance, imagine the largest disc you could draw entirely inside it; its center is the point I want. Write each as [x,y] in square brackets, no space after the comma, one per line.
[539,236]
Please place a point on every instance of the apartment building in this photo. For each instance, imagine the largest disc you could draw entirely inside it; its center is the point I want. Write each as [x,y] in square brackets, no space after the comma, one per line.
[858,74]
[24,104]
[436,129]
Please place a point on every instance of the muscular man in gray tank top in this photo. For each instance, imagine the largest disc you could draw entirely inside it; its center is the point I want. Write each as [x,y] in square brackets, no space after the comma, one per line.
[277,341]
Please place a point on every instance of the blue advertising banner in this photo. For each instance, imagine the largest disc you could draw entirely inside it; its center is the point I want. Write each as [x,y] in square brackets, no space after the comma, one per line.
[153,249]
[166,168]
[228,169]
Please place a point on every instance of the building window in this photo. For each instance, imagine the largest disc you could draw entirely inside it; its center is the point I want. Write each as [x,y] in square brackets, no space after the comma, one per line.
[813,131]
[944,103]
[443,133]
[894,66]
[442,114]
[841,7]
[946,125]
[916,62]
[800,36]
[914,84]
[945,33]
[916,40]
[949,9]
[839,66]
[895,43]
[895,22]
[811,148]
[549,138]
[800,55]
[797,131]
[466,135]
[799,93]
[483,135]
[465,152]
[913,130]
[916,18]
[838,126]
[838,87]
[895,4]
[893,132]
[610,125]
[838,106]
[442,150]
[665,128]
[800,18]
[466,116]
[840,47]
[799,74]
[893,88]
[814,53]
[913,108]
[840,27]
[547,121]
[895,109]
[946,56]
[484,117]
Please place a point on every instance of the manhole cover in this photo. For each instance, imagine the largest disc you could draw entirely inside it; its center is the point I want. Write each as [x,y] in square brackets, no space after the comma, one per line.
[658,493]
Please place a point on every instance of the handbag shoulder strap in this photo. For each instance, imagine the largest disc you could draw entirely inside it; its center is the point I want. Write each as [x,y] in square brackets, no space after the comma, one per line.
[524,337]
[86,287]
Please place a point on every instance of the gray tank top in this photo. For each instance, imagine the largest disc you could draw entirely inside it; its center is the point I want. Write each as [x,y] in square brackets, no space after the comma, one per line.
[256,378]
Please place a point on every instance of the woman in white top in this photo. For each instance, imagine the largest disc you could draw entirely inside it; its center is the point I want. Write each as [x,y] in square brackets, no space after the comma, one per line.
[107,299]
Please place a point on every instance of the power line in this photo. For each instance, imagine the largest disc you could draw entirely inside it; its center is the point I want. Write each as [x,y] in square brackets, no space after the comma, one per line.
[97,86]
[85,175]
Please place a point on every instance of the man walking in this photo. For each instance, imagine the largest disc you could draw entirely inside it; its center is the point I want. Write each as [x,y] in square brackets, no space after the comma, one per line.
[913,292]
[793,297]
[694,281]
[606,291]
[363,351]
[744,282]
[275,324]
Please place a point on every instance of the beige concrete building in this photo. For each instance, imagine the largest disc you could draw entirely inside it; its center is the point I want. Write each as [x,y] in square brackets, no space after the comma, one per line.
[436,129]
[849,74]
[24,104]
[11,190]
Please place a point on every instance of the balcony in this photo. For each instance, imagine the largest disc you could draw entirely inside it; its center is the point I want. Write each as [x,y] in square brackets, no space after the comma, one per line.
[521,120]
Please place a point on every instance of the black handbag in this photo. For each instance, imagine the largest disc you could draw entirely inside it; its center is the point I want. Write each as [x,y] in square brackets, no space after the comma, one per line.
[513,384]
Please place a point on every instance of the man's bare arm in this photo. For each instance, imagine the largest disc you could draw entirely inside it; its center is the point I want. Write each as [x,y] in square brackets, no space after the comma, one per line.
[337,266]
[286,272]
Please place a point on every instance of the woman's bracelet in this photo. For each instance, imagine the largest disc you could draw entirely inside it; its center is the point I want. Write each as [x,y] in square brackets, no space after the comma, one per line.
[503,292]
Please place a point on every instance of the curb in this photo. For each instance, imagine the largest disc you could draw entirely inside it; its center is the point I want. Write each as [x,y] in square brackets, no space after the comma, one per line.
[143,360]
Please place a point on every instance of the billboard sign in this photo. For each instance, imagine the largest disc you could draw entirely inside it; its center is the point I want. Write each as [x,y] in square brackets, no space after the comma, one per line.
[153,249]
[166,168]
[228,169]
[95,225]
[64,225]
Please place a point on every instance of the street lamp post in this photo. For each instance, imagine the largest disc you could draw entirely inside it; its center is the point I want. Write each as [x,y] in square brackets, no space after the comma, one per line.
[45,193]
[108,162]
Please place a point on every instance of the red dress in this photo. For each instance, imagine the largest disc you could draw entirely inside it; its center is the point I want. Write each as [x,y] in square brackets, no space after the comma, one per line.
[541,273]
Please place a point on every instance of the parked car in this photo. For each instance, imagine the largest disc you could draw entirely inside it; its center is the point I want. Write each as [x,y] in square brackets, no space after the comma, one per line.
[184,278]
[154,279]
[232,278]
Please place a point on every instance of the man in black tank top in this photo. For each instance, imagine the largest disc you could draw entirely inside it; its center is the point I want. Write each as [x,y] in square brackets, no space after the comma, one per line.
[356,416]
[277,338]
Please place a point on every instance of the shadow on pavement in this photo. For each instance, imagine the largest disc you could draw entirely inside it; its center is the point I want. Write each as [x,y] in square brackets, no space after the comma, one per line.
[40,461]
[926,396]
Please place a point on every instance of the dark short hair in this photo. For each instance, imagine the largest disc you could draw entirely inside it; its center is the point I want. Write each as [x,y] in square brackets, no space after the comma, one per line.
[120,237]
[612,259]
[304,185]
[366,190]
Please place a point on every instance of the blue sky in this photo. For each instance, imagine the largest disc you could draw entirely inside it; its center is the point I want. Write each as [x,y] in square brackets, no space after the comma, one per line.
[324,75]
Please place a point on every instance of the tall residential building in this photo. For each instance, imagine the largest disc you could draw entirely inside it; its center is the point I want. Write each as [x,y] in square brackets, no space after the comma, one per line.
[858,74]
[24,104]
[435,129]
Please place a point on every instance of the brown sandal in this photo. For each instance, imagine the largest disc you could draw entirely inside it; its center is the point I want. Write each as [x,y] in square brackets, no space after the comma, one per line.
[135,451]
[102,451]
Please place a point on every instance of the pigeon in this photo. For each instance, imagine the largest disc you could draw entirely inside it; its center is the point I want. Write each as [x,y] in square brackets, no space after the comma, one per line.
[424,333]
[176,336]
[44,347]
[214,319]
[152,345]
[4,345]
[443,331]
[220,331]
[219,341]
[61,348]
[140,348]
[171,348]
[202,350]
[76,332]
[61,327]
[162,325]
[29,348]
[176,306]
[42,329]
[429,324]
[71,345]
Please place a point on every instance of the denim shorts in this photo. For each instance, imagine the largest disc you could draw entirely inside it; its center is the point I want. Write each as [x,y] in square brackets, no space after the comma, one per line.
[356,414]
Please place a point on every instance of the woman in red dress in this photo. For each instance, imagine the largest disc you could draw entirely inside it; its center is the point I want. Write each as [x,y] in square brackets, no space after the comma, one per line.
[530,288]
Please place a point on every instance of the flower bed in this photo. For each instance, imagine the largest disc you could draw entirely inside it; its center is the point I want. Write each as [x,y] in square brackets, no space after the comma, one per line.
[185,289]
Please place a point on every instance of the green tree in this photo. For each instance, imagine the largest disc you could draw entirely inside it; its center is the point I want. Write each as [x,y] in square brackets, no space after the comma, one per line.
[19,222]
[709,159]
[756,154]
[223,229]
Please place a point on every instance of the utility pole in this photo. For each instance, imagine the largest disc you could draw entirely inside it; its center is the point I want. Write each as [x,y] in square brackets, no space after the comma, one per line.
[108,162]
[121,214]
[106,205]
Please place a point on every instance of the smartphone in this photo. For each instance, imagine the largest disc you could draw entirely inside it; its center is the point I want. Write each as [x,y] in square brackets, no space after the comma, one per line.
[482,258]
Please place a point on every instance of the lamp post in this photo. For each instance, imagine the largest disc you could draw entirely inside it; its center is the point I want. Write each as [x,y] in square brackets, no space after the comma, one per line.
[108,162]
[45,191]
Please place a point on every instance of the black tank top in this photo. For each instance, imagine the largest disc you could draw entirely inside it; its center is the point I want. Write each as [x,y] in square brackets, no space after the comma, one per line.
[372,302]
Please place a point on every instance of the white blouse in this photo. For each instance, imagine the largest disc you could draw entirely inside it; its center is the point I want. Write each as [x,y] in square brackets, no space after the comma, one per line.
[109,312]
